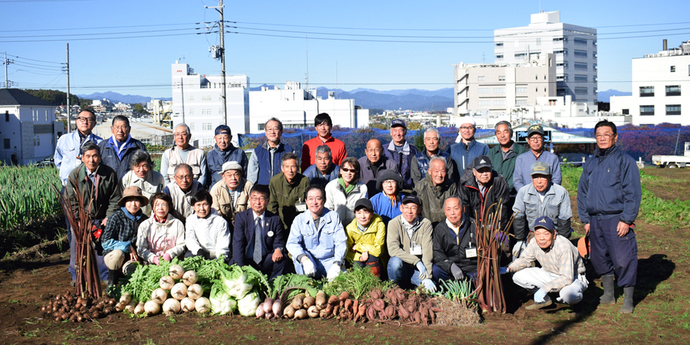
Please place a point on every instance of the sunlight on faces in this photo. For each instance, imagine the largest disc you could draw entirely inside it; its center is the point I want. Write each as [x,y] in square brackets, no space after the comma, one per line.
[133,205]
[503,134]
[482,175]
[323,129]
[289,168]
[374,150]
[315,202]
[222,141]
[323,160]
[544,237]
[202,209]
[409,211]
[467,131]
[160,208]
[272,132]
[363,216]
[120,130]
[184,178]
[258,202]
[452,208]
[536,142]
[91,159]
[181,137]
[347,171]
[232,179]
[437,170]
[541,182]
[389,187]
[605,137]
[398,135]
[85,122]
[142,169]
[431,141]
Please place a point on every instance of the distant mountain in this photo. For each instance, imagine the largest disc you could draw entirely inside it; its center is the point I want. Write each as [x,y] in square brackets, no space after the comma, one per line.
[118,97]
[413,99]
[605,96]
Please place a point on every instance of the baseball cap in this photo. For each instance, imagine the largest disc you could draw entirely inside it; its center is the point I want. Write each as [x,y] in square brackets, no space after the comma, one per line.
[411,198]
[231,165]
[481,162]
[363,203]
[544,222]
[223,129]
[540,168]
[398,123]
[535,129]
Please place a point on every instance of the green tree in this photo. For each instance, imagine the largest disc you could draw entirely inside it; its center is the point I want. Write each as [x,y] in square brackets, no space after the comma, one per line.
[139,108]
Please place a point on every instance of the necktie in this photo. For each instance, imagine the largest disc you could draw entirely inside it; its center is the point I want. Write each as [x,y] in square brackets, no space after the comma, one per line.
[258,231]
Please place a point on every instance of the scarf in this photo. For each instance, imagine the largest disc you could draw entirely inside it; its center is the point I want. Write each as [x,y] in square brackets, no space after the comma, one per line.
[347,189]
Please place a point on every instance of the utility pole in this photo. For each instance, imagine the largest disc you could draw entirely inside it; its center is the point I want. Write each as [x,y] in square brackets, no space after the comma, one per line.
[221,28]
[69,110]
[182,90]
[7,62]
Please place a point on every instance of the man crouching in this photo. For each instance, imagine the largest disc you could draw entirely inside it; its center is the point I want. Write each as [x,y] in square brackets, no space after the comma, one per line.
[561,269]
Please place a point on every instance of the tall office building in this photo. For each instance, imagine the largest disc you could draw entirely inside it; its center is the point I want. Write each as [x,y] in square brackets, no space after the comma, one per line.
[574,47]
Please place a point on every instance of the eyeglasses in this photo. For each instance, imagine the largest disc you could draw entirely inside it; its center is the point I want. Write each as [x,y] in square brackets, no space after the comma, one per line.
[467,127]
[604,136]
[85,119]
[258,198]
[389,182]
[536,138]
[183,177]
[347,170]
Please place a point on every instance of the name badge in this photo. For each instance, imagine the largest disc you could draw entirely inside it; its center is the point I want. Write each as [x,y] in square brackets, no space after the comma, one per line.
[416,249]
[270,234]
[471,253]
[301,206]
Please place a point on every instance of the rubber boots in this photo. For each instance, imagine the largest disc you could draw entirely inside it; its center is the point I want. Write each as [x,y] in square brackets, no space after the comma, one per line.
[627,307]
[608,297]
[113,277]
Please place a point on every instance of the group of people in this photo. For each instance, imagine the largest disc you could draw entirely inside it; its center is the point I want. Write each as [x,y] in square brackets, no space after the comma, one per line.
[410,215]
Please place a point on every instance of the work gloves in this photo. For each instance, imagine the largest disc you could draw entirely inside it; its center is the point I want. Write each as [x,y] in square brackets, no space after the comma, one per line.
[457,272]
[429,285]
[422,270]
[308,267]
[333,272]
[204,253]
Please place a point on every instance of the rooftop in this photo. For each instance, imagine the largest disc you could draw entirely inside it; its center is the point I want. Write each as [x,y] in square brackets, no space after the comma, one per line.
[19,97]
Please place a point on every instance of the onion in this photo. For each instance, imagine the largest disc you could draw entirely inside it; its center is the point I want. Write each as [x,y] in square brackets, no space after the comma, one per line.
[176,271]
[166,282]
[202,305]
[125,298]
[171,306]
[159,296]
[152,308]
[189,278]
[187,305]
[179,291]
[139,309]
[195,291]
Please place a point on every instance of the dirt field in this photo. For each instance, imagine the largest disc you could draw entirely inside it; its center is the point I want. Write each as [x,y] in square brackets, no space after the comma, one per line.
[662,313]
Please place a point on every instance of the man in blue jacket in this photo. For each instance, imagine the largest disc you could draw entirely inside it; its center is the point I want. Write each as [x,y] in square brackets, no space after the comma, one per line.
[536,153]
[401,152]
[608,200]
[324,170]
[223,152]
[264,163]
[117,151]
[259,236]
[466,149]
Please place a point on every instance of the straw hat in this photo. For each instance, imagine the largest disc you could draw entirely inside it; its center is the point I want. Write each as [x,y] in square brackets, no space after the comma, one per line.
[132,192]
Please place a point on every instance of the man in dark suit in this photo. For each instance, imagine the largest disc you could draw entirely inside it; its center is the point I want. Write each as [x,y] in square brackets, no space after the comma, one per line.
[266,255]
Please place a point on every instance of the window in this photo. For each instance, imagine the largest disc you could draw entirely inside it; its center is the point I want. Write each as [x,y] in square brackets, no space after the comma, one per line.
[484,103]
[501,78]
[206,142]
[520,102]
[538,41]
[191,111]
[673,69]
[499,90]
[206,97]
[580,90]
[564,52]
[191,125]
[520,55]
[557,39]
[594,43]
[646,91]
[594,55]
[499,44]
[205,111]
[581,65]
[580,41]
[522,89]
[499,57]
[581,77]
[481,78]
[484,90]
[7,116]
[594,67]
[626,111]
[580,53]
[206,126]
[500,102]
[6,143]
[673,109]
[191,97]
[646,110]
[562,64]
[672,90]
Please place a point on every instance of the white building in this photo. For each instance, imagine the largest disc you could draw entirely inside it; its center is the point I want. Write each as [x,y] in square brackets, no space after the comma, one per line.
[575,49]
[660,87]
[198,102]
[297,107]
[500,88]
[29,131]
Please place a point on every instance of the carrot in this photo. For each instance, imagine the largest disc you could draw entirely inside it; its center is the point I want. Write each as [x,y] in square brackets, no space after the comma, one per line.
[355,306]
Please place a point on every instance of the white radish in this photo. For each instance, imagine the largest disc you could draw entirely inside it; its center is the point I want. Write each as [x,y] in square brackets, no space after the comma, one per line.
[195,291]
[159,296]
[189,278]
[171,306]
[166,282]
[179,291]
[152,308]
[125,298]
[202,305]
[187,305]
[139,309]
[176,272]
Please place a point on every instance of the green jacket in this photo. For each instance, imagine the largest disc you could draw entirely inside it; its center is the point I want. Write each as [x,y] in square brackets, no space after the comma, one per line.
[398,242]
[506,167]
[285,195]
[433,197]
[103,201]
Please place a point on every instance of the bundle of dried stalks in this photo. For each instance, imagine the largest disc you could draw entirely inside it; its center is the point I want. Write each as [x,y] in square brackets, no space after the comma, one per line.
[455,312]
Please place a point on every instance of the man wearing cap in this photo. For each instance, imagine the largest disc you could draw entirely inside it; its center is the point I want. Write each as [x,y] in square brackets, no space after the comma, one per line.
[608,200]
[181,191]
[231,193]
[207,234]
[120,235]
[366,238]
[119,149]
[481,187]
[420,162]
[523,163]
[323,171]
[504,154]
[433,190]
[467,148]
[537,199]
[455,243]
[264,163]
[562,270]
[401,152]
[410,246]
[259,236]
[373,164]
[183,153]
[223,151]
[323,125]
[287,190]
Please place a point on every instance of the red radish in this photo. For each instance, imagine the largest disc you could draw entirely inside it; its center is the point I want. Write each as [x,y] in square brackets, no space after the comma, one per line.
[260,311]
[278,308]
[268,305]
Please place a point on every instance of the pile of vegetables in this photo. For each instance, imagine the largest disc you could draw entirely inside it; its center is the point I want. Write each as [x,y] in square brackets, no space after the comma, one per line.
[78,309]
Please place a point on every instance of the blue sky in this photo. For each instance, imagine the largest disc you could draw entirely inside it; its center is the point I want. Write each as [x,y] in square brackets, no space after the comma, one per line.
[127,46]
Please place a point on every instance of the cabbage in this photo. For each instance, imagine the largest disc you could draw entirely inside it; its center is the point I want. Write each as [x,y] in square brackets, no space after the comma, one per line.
[240,290]
[221,302]
[248,304]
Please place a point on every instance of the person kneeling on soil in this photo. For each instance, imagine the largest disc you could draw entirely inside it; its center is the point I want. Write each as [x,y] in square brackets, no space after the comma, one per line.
[207,233]
[410,246]
[120,235]
[366,236]
[317,240]
[562,269]
[162,235]
[455,245]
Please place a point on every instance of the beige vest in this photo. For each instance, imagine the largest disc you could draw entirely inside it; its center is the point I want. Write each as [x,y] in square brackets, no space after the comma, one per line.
[194,157]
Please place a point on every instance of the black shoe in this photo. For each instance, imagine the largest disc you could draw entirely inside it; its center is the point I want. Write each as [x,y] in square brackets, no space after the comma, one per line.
[534,306]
